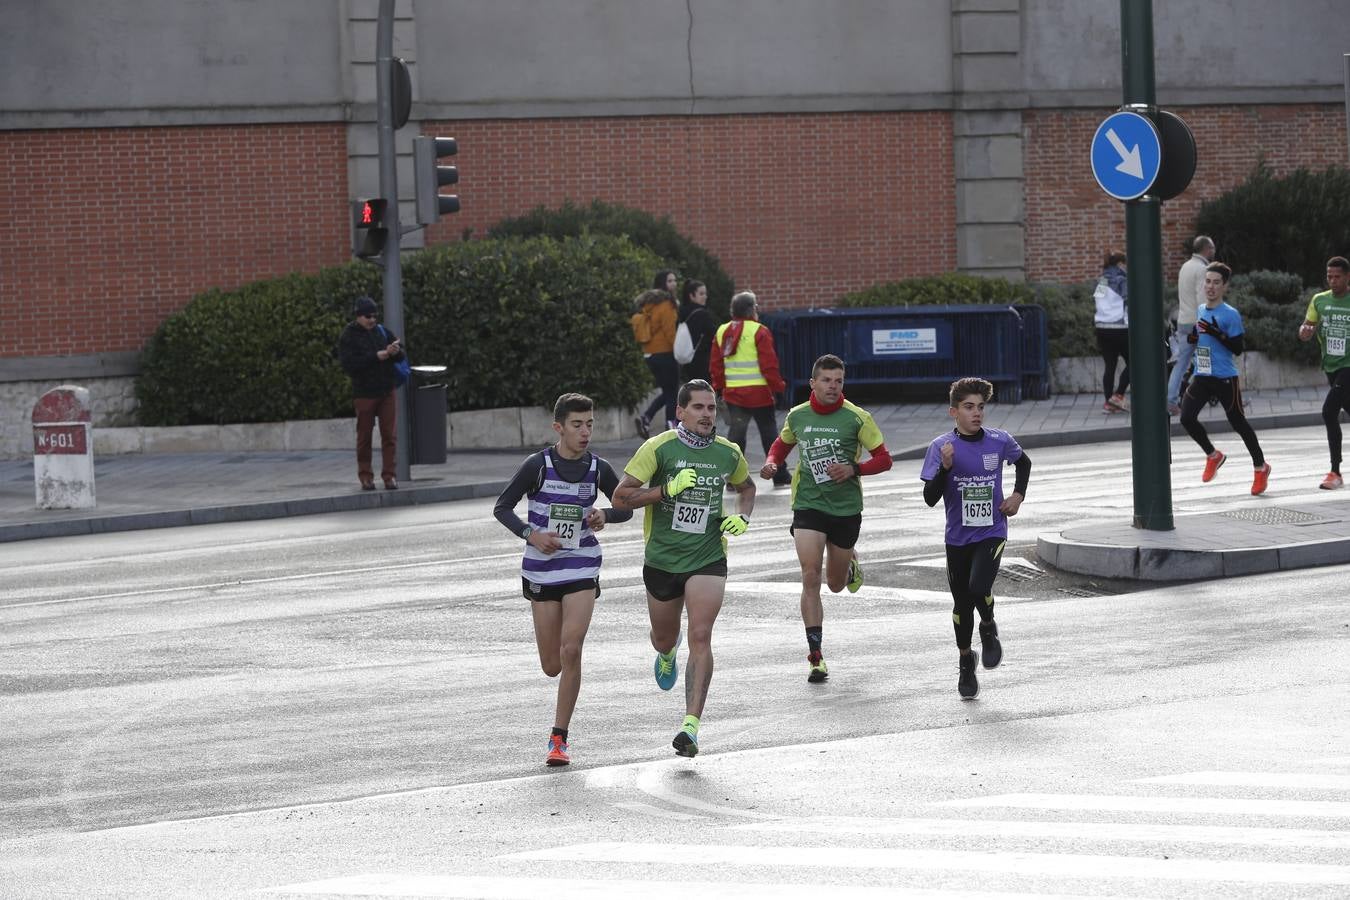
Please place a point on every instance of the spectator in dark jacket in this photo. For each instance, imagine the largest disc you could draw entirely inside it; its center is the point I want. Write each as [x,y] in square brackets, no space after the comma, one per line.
[694,310]
[367,352]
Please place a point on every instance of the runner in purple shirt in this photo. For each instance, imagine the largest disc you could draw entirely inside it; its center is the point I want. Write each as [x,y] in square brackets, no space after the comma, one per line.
[964,468]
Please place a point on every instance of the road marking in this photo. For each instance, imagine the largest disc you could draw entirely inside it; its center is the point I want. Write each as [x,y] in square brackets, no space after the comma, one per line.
[659,813]
[1322,809]
[1256,779]
[940,562]
[1086,831]
[651,781]
[1058,865]
[481,887]
[868,592]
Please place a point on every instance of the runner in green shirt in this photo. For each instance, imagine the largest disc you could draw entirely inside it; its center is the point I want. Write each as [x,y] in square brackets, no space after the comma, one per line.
[827,498]
[678,476]
[1328,318]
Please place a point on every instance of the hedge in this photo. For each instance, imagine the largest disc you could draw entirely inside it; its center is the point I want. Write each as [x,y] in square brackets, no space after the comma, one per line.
[657,234]
[1290,224]
[517,322]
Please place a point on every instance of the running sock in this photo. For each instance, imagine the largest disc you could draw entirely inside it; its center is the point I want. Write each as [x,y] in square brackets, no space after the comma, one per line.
[562,733]
[690,725]
[813,638]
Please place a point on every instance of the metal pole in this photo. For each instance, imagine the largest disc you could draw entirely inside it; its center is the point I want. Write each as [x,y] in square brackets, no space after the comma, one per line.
[393,265]
[1149,438]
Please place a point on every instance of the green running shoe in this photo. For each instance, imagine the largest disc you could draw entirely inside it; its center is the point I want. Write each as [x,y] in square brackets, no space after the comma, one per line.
[665,668]
[818,670]
[855,576]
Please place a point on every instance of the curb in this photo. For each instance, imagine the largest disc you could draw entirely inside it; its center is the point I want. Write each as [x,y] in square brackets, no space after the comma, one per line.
[1170,564]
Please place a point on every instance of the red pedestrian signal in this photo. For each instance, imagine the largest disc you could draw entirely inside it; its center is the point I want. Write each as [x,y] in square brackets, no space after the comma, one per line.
[369,233]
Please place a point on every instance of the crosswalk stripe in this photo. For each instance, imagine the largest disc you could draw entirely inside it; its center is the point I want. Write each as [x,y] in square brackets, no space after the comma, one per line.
[1084,831]
[479,887]
[1058,865]
[1322,809]
[894,595]
[1318,781]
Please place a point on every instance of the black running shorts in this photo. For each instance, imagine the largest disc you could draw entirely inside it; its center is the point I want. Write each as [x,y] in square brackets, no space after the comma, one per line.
[668,585]
[541,593]
[842,531]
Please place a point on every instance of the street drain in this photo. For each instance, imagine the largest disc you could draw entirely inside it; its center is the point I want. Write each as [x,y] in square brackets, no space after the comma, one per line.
[1021,573]
[1084,592]
[1276,515]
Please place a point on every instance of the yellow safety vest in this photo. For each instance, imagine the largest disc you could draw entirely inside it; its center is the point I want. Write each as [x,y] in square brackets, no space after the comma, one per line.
[742,367]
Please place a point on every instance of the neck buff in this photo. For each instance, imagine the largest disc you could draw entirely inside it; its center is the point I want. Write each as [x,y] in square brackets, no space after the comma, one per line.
[696,441]
[822,408]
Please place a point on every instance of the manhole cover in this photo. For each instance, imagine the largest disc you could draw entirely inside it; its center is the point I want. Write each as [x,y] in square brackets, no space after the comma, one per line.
[1084,592]
[1278,516]
[1021,573]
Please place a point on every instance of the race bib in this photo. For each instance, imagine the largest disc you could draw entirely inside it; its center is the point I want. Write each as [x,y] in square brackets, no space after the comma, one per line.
[691,518]
[977,505]
[818,459]
[564,521]
[1336,345]
[1204,363]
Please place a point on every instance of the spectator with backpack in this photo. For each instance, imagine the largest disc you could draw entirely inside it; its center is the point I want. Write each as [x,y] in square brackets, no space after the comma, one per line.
[369,355]
[653,321]
[694,346]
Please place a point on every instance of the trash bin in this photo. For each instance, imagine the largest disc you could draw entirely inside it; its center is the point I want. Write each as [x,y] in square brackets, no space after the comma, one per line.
[426,407]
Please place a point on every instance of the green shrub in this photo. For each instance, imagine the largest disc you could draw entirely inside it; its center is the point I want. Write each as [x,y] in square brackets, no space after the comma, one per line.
[658,235]
[261,353]
[952,289]
[1290,224]
[521,321]
[517,322]
[1280,288]
[1270,320]
[1069,309]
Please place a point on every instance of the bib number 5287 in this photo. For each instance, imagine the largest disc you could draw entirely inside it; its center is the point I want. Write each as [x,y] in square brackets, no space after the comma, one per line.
[690,518]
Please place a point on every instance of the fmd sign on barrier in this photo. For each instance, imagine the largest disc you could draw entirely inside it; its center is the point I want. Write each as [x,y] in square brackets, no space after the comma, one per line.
[904,341]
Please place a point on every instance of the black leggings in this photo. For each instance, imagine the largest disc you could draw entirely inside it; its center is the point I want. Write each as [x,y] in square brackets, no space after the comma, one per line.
[1113,344]
[1338,398]
[666,372]
[1201,389]
[971,570]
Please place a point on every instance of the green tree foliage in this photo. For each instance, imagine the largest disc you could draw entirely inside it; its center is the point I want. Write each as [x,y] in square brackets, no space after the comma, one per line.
[1272,306]
[953,289]
[516,322]
[658,235]
[1289,224]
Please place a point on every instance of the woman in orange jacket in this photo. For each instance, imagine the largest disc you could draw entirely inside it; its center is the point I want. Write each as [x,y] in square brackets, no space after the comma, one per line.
[654,319]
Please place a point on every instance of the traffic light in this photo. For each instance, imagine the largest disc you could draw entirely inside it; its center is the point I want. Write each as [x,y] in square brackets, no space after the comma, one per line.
[430,177]
[369,233]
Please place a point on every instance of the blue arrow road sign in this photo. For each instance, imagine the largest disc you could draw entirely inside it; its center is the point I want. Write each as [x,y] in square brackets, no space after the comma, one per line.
[1126,155]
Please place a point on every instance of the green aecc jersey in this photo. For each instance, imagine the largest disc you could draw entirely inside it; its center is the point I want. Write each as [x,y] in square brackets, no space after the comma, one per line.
[684,533]
[1331,315]
[839,436]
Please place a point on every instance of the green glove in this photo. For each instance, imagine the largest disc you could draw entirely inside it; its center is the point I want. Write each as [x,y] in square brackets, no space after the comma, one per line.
[735,525]
[680,481]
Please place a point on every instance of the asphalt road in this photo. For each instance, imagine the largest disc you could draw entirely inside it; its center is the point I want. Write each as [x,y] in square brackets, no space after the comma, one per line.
[351,705]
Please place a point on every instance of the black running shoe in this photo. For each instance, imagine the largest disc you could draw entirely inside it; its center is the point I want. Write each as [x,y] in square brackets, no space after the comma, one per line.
[991,650]
[967,685]
[685,744]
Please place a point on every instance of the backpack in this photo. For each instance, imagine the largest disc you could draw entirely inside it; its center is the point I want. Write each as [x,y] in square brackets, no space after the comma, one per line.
[402,368]
[684,345]
[642,325]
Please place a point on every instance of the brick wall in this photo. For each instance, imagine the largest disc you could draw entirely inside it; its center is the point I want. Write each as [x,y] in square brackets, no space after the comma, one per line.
[130,223]
[798,208]
[1070,222]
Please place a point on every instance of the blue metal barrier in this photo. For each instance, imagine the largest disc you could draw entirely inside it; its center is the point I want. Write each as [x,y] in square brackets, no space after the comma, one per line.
[916,345]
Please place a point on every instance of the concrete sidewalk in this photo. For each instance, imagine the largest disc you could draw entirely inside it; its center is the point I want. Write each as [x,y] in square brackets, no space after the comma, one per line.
[166,490]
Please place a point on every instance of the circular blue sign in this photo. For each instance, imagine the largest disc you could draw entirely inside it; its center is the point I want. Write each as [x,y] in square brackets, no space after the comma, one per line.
[1126,155]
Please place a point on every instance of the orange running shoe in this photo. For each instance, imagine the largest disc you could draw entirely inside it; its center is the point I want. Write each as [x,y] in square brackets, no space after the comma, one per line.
[1332,482]
[557,751]
[1259,480]
[1212,463]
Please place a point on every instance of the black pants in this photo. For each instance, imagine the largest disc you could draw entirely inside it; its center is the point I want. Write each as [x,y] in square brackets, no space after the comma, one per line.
[1228,392]
[667,373]
[971,570]
[740,417]
[1338,398]
[1114,344]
